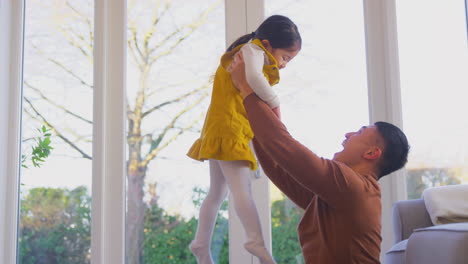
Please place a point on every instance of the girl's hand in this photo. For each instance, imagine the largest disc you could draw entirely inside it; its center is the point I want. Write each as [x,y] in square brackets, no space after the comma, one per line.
[277,112]
[237,71]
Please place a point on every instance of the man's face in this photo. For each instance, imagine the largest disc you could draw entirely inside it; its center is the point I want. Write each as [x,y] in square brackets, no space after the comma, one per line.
[357,144]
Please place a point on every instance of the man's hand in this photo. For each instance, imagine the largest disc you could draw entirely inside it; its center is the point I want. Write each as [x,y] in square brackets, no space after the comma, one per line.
[237,71]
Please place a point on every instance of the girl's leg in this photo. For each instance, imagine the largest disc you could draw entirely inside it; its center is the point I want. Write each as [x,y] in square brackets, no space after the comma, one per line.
[200,246]
[237,175]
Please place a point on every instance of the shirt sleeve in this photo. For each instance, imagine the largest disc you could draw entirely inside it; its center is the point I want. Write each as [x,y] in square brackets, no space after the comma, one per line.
[254,59]
[323,177]
[300,195]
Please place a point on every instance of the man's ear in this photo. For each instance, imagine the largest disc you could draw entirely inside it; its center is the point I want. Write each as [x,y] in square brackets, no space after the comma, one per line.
[373,153]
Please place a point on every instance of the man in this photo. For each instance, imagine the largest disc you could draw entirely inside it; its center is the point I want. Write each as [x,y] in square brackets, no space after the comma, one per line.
[341,197]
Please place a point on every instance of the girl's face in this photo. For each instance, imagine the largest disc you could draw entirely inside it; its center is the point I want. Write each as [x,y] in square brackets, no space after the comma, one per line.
[282,56]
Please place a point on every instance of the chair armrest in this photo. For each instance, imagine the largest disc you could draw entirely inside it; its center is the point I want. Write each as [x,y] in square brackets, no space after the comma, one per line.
[438,244]
[407,216]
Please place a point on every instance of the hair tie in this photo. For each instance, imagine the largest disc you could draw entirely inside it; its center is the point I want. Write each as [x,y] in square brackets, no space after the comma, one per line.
[252,35]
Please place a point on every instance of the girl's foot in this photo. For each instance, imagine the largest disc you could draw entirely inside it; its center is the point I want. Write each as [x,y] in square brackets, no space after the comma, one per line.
[201,252]
[258,249]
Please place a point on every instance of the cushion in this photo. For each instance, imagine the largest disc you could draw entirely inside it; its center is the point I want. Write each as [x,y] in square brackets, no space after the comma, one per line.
[447,204]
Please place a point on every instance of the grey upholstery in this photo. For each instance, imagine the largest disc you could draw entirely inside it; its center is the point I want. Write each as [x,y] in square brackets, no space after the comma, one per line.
[407,216]
[417,241]
[397,253]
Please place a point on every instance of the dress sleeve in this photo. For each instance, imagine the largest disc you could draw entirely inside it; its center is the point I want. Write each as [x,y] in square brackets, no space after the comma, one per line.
[254,59]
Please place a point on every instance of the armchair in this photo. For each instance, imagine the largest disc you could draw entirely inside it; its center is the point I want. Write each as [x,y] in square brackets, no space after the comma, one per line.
[418,241]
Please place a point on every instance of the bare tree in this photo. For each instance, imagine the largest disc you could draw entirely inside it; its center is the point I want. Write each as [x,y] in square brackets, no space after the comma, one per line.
[148,46]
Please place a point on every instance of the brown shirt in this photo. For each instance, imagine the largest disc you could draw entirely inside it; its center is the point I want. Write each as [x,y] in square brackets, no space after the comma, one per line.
[342,219]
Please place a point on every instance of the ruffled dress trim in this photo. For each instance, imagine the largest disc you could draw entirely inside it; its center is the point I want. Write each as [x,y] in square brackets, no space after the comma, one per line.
[222,149]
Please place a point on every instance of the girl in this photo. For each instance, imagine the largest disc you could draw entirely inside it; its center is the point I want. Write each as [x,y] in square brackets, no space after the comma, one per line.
[226,133]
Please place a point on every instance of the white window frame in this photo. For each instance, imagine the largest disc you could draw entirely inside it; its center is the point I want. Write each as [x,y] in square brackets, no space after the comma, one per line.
[384,96]
[109,123]
[11,63]
[108,205]
[466,16]
[243,17]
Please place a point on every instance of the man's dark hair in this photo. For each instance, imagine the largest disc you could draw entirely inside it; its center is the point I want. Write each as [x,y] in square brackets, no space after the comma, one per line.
[396,148]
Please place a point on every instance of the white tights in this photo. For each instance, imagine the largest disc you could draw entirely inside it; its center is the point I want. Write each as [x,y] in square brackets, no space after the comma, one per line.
[235,176]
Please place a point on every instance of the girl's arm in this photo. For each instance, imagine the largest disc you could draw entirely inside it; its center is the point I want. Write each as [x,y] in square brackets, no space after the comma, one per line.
[254,59]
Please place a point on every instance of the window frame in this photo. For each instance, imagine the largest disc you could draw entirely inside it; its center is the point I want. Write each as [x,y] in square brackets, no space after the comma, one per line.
[109,126]
[383,81]
[243,17]
[11,56]
[466,17]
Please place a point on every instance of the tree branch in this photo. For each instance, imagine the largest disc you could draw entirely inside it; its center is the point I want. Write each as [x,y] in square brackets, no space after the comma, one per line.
[65,32]
[134,56]
[156,20]
[175,100]
[60,65]
[155,150]
[134,38]
[152,92]
[87,43]
[57,105]
[192,27]
[53,128]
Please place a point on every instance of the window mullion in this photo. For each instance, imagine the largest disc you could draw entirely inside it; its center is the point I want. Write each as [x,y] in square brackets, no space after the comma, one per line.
[261,184]
[384,95]
[243,17]
[11,59]
[108,185]
[236,25]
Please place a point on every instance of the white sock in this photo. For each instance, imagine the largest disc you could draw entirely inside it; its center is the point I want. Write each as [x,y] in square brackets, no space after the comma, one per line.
[200,246]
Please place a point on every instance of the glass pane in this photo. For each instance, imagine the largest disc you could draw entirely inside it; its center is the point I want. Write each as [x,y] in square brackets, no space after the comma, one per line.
[434,81]
[57,132]
[173,50]
[323,94]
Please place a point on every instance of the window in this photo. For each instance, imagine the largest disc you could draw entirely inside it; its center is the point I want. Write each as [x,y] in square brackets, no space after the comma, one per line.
[323,93]
[55,192]
[433,65]
[173,52]
[59,89]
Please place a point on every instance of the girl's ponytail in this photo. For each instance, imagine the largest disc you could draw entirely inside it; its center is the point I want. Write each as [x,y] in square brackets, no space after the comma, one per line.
[242,40]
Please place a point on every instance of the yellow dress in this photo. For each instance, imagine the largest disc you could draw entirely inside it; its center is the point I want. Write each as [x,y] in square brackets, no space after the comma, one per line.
[226,132]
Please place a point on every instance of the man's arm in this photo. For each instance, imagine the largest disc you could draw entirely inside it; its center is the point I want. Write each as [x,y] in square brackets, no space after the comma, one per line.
[314,174]
[290,187]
